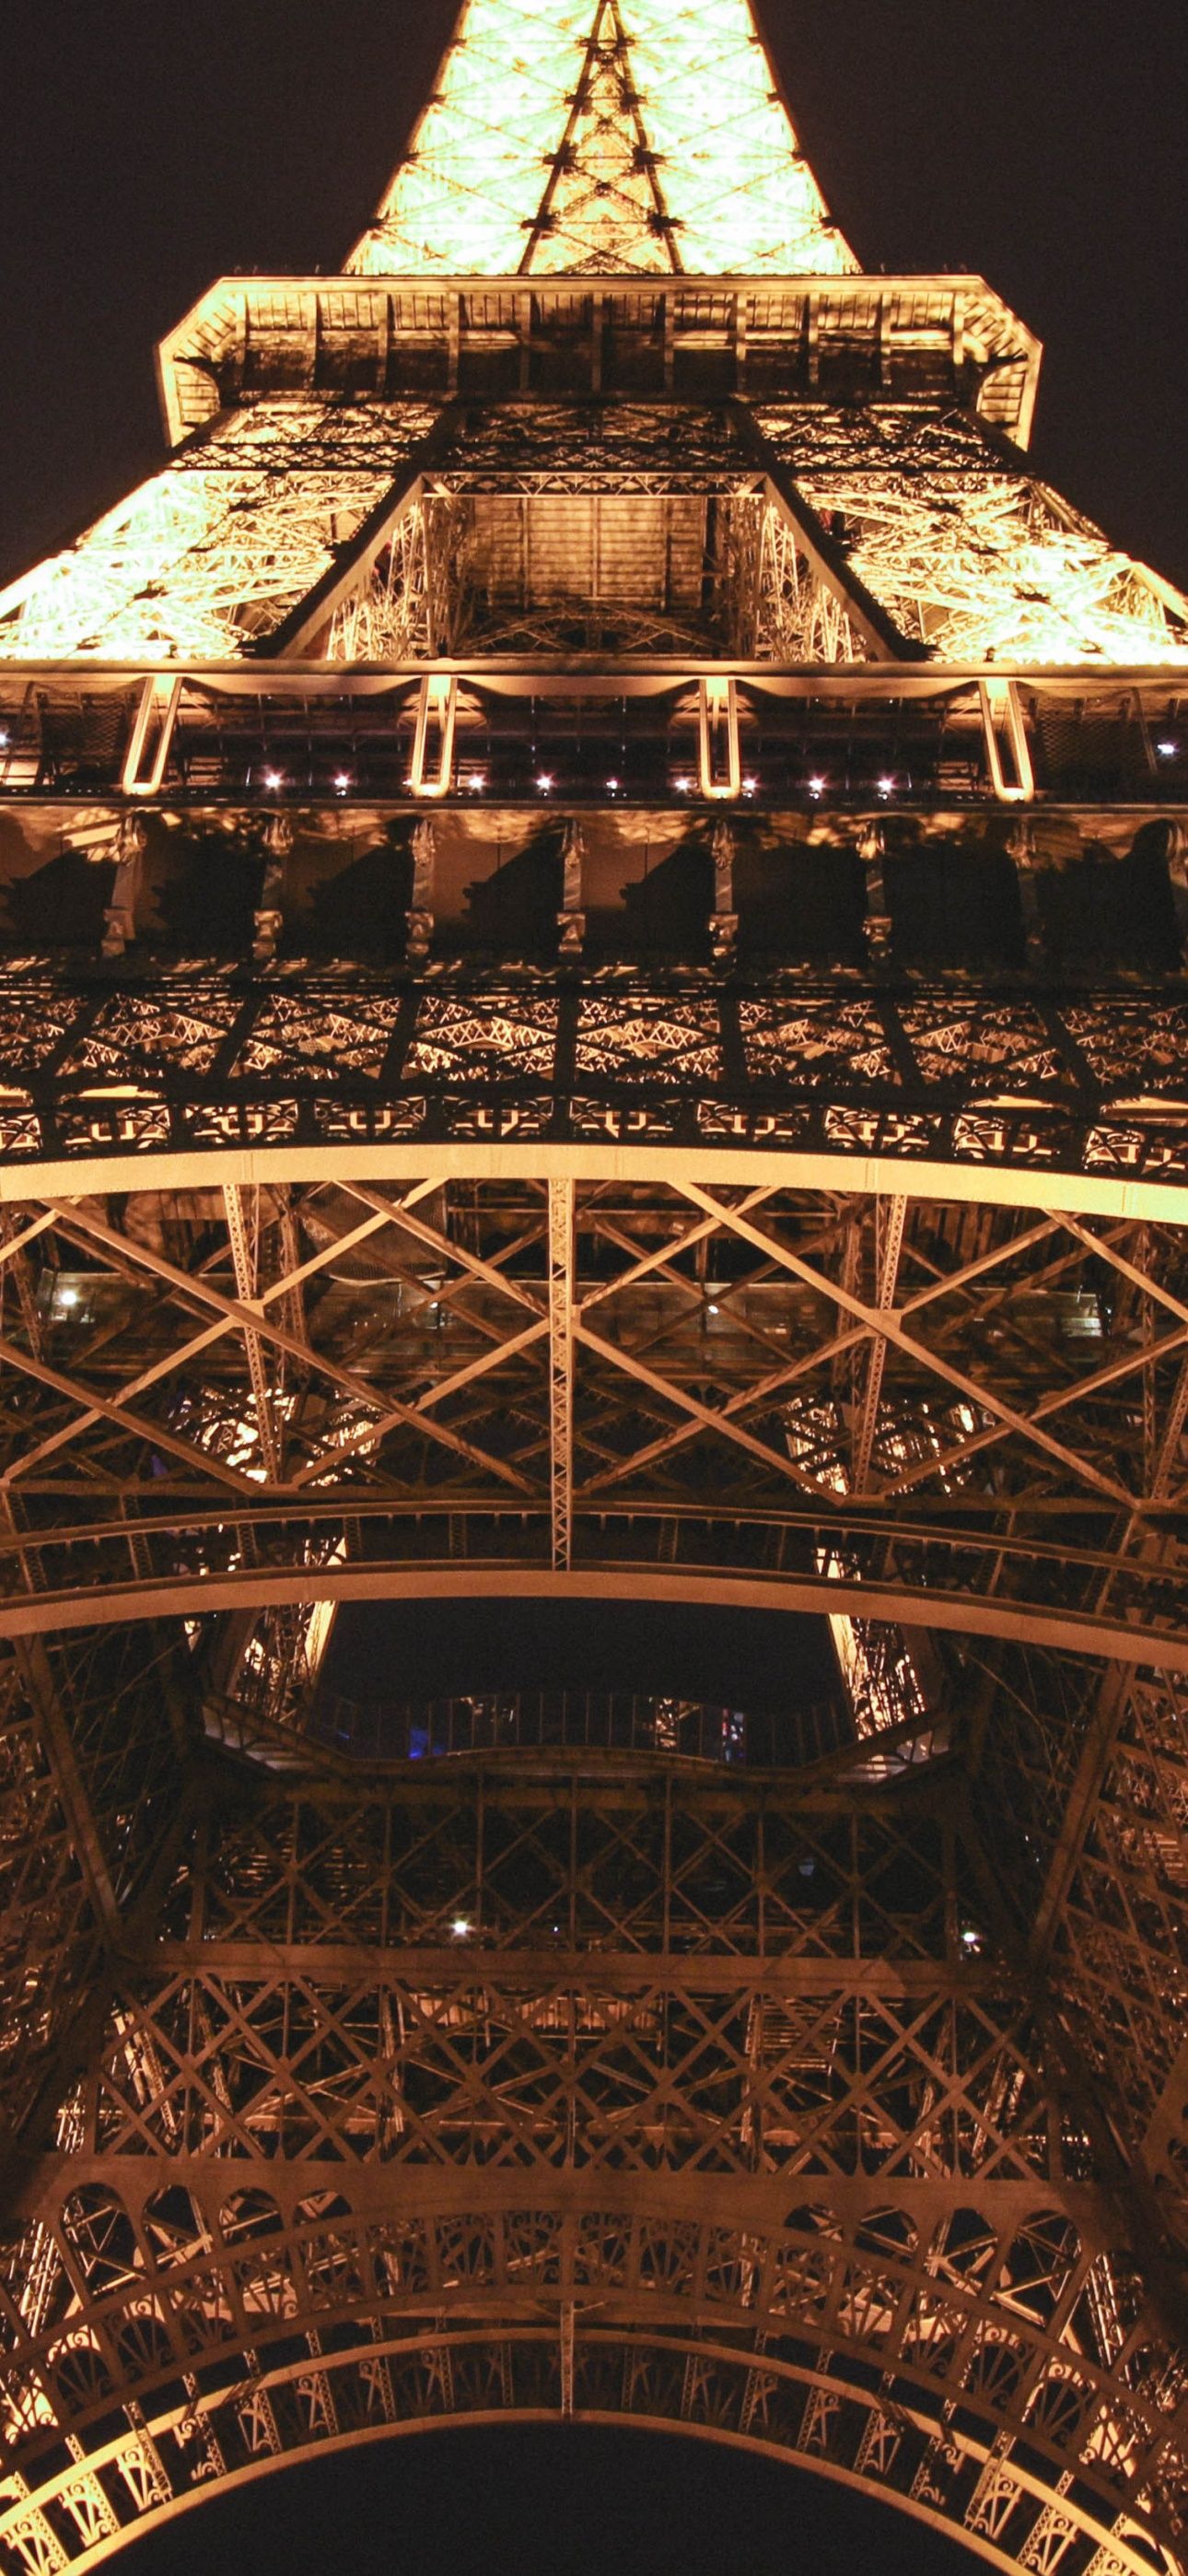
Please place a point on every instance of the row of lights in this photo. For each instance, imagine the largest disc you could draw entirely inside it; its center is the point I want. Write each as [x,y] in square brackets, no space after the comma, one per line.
[274,779]
[475,782]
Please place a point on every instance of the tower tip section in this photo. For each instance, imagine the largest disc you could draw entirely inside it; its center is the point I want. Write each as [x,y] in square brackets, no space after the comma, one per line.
[621,135]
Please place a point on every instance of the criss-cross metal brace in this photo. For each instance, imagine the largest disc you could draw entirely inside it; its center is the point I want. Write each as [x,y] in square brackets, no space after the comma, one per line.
[851,2102]
[602,1384]
[747,2073]
[994,1087]
[589,1197]
[561,1305]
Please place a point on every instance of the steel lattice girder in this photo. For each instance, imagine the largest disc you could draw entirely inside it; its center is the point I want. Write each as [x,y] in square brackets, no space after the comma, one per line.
[779,2077]
[345,1387]
[610,136]
[920,538]
[1010,1093]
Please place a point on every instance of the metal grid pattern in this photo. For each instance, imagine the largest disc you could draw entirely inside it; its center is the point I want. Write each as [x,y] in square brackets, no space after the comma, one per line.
[969,558]
[246,1396]
[206,560]
[1073,1082]
[839,2137]
[834,2107]
[614,135]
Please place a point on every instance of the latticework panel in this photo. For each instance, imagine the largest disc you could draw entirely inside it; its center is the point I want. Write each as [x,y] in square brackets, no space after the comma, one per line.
[89,1789]
[1119,1928]
[206,560]
[627,137]
[661,2065]
[887,1407]
[971,559]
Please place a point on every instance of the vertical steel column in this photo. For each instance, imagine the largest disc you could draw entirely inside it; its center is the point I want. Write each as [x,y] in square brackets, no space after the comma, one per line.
[245,1254]
[890,1218]
[561,1247]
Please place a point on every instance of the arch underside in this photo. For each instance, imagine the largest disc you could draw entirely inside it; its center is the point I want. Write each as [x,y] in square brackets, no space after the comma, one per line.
[398,2379]
[730,2102]
[835,2111]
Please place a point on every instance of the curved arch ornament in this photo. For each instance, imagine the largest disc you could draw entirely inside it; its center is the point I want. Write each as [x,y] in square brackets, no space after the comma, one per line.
[675,2383]
[579,1061]
[490,2092]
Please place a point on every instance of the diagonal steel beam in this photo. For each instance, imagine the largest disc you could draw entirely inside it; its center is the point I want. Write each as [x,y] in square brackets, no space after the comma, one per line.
[561,1344]
[893,1214]
[354,562]
[435,1394]
[825,557]
[722,1417]
[1127,1364]
[703,1415]
[954,1280]
[462,1259]
[181,1356]
[202,1292]
[82,1822]
[919,1352]
[1080,1804]
[106,1409]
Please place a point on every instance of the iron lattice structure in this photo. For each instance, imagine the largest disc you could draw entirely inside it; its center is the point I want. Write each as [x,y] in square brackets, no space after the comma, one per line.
[592,1012]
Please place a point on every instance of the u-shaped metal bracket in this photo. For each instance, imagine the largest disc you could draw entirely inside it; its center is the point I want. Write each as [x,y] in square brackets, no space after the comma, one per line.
[721,753]
[1008,752]
[433,748]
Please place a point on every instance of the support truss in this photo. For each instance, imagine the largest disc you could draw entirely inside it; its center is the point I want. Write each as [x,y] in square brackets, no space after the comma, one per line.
[732,1157]
[626,137]
[925,1409]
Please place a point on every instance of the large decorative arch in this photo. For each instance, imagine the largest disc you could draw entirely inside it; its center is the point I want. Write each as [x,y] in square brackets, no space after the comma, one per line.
[694,2327]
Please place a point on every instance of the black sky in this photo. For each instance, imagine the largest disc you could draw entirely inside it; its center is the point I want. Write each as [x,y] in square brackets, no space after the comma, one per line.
[566,2502]
[146,150]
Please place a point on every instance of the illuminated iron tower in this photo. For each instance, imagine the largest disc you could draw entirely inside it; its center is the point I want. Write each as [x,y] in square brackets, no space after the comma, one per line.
[593,1013]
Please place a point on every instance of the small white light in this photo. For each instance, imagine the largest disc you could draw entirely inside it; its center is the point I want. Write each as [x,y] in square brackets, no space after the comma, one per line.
[461,1927]
[816,787]
[886,787]
[613,784]
[3,740]
[971,1940]
[1166,750]
[477,781]
[343,781]
[715,1310]
[68,1297]
[274,778]
[545,783]
[683,786]
[750,787]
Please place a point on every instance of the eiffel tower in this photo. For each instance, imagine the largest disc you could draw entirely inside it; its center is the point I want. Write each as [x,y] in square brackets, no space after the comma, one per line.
[594,1031]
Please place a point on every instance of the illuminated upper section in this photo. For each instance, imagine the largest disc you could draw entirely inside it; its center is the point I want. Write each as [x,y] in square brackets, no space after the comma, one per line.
[332,494]
[630,135]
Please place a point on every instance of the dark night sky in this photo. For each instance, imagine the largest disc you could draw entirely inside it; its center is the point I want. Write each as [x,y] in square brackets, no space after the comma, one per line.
[564,2502]
[145,151]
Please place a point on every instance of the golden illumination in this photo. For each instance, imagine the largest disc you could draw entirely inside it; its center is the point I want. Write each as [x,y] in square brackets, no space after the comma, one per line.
[975,562]
[989,571]
[622,134]
[209,556]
